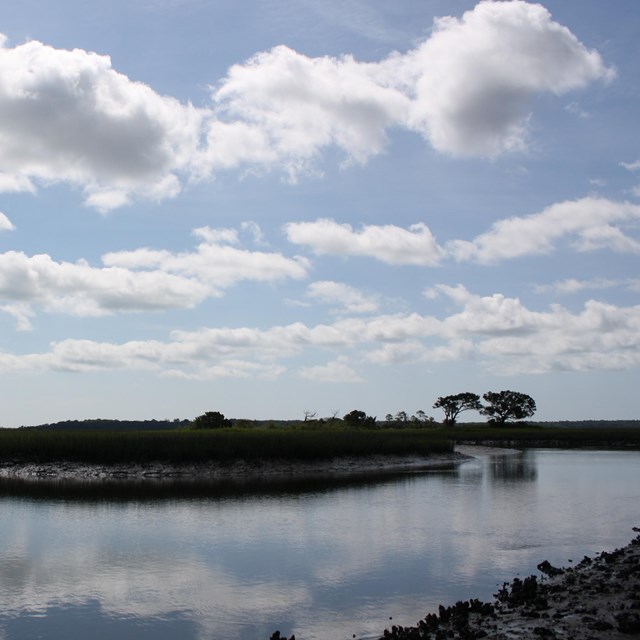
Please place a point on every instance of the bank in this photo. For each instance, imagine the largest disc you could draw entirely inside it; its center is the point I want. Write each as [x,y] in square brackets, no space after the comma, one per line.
[597,599]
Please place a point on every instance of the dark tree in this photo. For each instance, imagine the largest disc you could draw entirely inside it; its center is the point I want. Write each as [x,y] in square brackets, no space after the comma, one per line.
[508,405]
[359,419]
[453,406]
[211,420]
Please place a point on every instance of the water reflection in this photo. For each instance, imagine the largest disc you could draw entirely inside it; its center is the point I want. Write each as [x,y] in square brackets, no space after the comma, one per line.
[512,469]
[89,620]
[321,558]
[153,490]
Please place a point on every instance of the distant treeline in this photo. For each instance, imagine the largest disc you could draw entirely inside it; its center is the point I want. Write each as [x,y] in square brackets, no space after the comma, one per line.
[591,424]
[114,425]
[177,423]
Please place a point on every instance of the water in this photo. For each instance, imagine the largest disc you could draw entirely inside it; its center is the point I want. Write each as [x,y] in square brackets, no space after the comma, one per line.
[324,559]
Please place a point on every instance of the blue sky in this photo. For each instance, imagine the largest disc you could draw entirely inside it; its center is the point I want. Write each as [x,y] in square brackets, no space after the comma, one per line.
[264,208]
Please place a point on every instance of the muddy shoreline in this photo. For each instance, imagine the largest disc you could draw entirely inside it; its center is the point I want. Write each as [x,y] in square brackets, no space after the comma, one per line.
[597,599]
[16,469]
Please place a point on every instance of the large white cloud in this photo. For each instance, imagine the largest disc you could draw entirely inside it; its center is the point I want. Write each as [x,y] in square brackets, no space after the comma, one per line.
[388,243]
[467,88]
[474,78]
[293,106]
[69,116]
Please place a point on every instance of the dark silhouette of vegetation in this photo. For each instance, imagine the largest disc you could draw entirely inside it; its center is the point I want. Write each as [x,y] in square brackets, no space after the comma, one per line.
[403,421]
[359,420]
[609,435]
[211,420]
[507,405]
[454,405]
[206,445]
[114,425]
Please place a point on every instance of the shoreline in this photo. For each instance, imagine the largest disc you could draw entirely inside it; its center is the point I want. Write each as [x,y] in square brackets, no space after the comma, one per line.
[235,469]
[597,599]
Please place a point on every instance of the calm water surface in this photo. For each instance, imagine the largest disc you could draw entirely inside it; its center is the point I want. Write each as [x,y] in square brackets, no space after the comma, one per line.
[323,559]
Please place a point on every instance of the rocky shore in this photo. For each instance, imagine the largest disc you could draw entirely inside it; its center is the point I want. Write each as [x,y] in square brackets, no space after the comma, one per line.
[597,599]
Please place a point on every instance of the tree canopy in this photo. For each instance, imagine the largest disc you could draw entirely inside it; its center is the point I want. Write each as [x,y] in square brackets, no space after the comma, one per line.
[508,405]
[454,405]
[359,419]
[211,420]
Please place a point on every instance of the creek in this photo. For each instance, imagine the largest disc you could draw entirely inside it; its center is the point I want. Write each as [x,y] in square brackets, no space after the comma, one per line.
[324,558]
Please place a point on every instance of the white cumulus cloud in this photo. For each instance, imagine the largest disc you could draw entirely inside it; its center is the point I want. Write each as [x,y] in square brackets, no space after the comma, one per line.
[387,243]
[69,116]
[139,280]
[474,78]
[499,333]
[337,371]
[348,298]
[468,88]
[588,223]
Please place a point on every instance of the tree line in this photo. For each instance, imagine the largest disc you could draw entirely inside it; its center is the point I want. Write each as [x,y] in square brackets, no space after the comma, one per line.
[500,407]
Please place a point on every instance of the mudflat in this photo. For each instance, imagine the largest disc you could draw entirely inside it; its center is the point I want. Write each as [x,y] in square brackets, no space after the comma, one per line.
[232,469]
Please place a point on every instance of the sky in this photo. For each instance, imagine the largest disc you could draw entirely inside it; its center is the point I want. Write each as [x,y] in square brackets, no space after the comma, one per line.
[267,208]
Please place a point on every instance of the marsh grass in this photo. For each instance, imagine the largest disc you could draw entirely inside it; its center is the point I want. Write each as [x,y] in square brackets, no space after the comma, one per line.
[532,435]
[183,447]
[264,444]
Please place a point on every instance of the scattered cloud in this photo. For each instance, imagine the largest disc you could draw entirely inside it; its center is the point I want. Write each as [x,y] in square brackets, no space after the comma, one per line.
[21,312]
[387,243]
[468,88]
[501,334]
[336,371]
[572,285]
[349,299]
[81,290]
[587,223]
[148,279]
[575,109]
[5,223]
[512,339]
[631,166]
[140,280]
[253,228]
